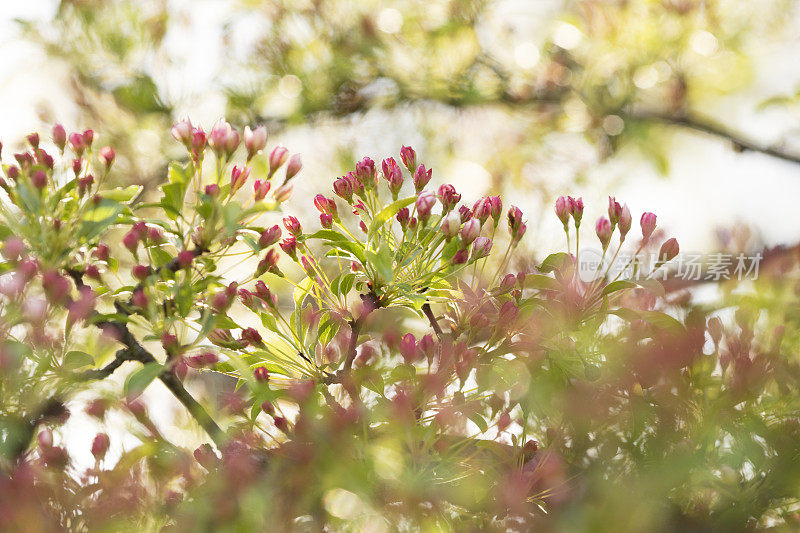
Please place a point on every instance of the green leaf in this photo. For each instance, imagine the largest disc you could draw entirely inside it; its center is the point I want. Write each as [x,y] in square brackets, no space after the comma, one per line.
[388,212]
[554,261]
[75,359]
[99,218]
[619,285]
[123,194]
[479,421]
[175,191]
[138,381]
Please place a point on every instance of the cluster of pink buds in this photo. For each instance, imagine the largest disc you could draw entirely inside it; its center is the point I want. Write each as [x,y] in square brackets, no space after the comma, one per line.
[224,140]
[619,218]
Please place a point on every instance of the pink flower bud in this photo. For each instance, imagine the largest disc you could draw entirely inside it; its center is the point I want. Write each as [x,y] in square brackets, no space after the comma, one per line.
[451,225]
[425,202]
[107,155]
[614,210]
[56,286]
[403,216]
[220,302]
[497,208]
[289,247]
[408,348]
[12,172]
[283,193]
[624,223]
[576,209]
[260,189]
[461,256]
[648,223]
[185,258]
[13,249]
[97,408]
[292,225]
[604,231]
[139,299]
[182,131]
[365,174]
[277,158]
[481,248]
[563,210]
[140,272]
[449,197]
[508,312]
[482,209]
[221,134]
[516,228]
[45,438]
[88,137]
[269,236]
[251,336]
[100,445]
[238,177]
[92,272]
[206,457]
[39,179]
[59,136]
[261,374]
[293,166]
[254,140]
[76,143]
[421,178]
[33,140]
[269,263]
[470,231]
[668,250]
[131,241]
[101,252]
[170,343]
[343,189]
[409,158]
[326,220]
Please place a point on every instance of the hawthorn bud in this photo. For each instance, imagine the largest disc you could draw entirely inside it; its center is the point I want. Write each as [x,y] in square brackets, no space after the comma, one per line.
[292,225]
[403,216]
[482,209]
[481,248]
[293,166]
[221,138]
[251,336]
[88,137]
[185,258]
[365,175]
[39,179]
[59,136]
[260,189]
[131,241]
[461,256]
[92,272]
[449,197]
[261,374]
[614,210]
[343,189]
[254,140]
[33,140]
[182,131]
[451,225]
[139,299]
[238,177]
[624,222]
[326,220]
[101,252]
[107,155]
[563,210]
[668,250]
[283,193]
[269,264]
[648,223]
[100,445]
[421,178]
[604,231]
[277,158]
[425,202]
[13,249]
[470,231]
[269,236]
[140,272]
[289,247]
[576,209]
[408,348]
[409,158]
[497,208]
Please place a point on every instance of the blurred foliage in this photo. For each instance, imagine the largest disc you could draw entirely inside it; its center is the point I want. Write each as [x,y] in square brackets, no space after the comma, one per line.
[613,73]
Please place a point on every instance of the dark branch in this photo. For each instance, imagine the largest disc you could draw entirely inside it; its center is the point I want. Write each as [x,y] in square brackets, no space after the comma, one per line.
[710,127]
[426,308]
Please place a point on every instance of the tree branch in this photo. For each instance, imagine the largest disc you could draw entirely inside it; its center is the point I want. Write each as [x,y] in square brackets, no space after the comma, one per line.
[426,308]
[708,126]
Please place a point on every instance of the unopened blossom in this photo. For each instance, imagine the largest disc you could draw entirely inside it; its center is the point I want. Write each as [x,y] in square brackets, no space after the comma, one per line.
[107,156]
[292,225]
[283,193]
[425,202]
[276,159]
[366,174]
[625,222]
[59,136]
[563,210]
[326,220]
[182,131]
[481,248]
[449,197]
[669,250]
[482,209]
[261,374]
[451,225]
[343,189]
[409,158]
[421,178]
[289,247]
[260,189]
[576,209]
[470,231]
[239,176]
[100,445]
[293,166]
[603,230]
[648,223]
[614,211]
[254,140]
[269,236]
[408,348]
